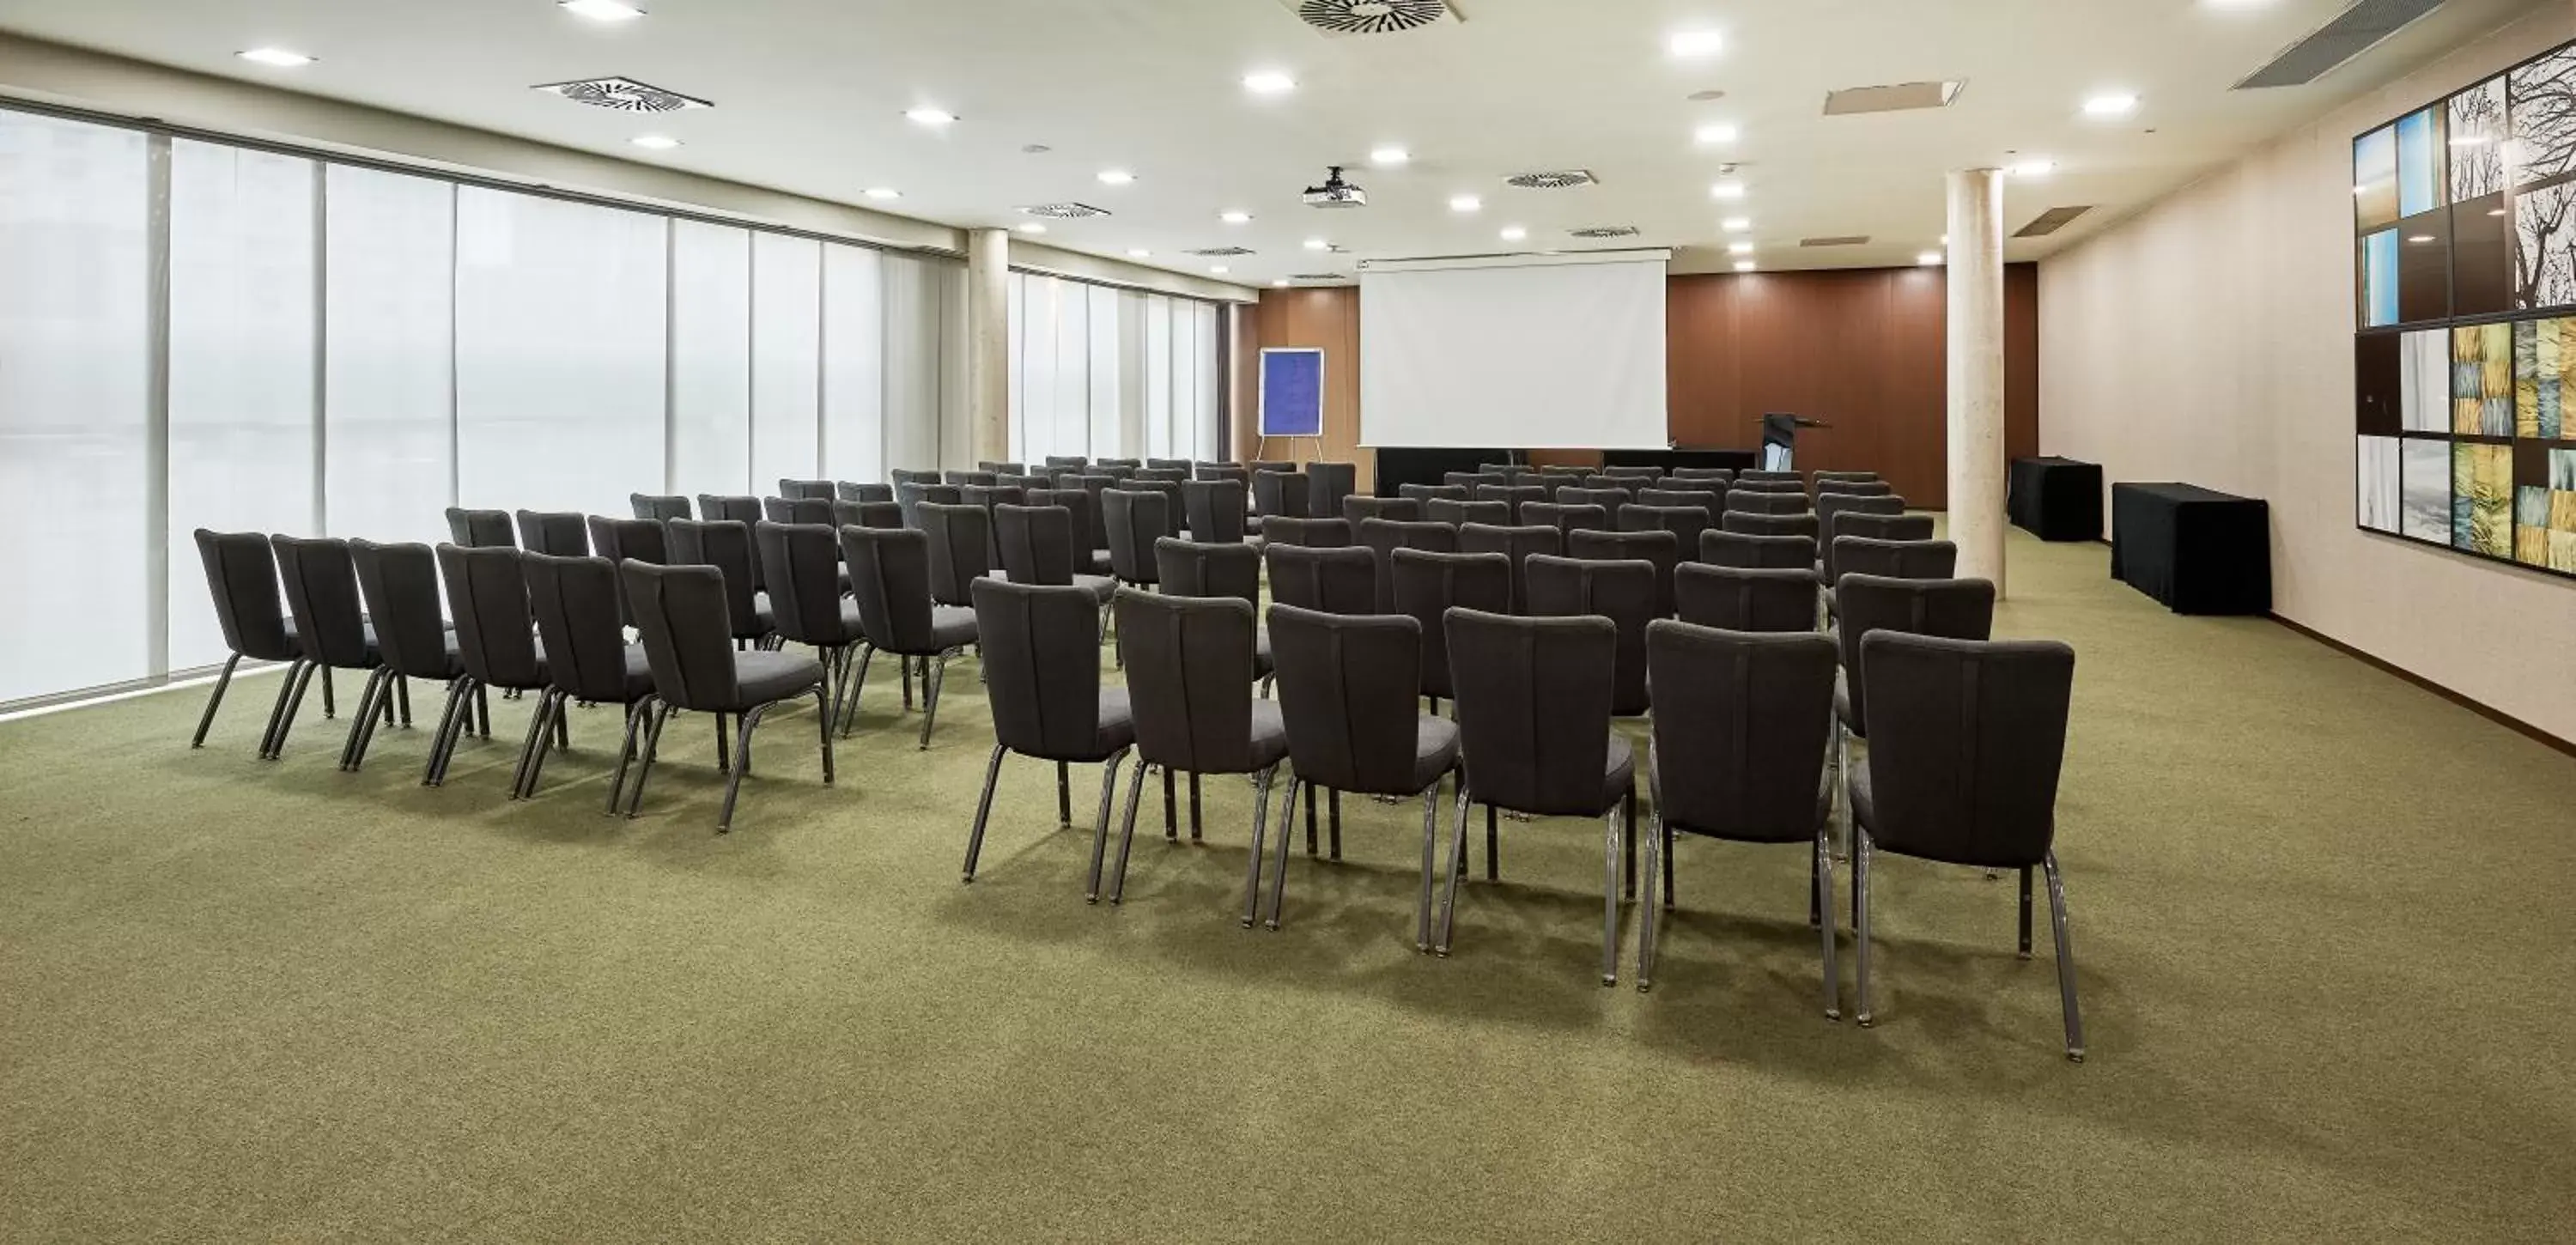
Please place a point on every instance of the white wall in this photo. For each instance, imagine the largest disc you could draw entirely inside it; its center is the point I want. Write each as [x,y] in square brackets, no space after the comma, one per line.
[2209,339]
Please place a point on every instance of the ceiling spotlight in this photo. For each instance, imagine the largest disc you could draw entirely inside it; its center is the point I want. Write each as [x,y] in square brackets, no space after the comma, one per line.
[1031,227]
[1722,132]
[1116,177]
[1726,190]
[882,192]
[1695,44]
[927,115]
[1281,283]
[279,57]
[1739,248]
[1465,203]
[1514,233]
[2033,168]
[1137,252]
[1389,157]
[1745,265]
[1735,224]
[1219,269]
[2112,104]
[1316,244]
[1268,82]
[602,10]
[1234,218]
[1945,239]
[1928,259]
[654,142]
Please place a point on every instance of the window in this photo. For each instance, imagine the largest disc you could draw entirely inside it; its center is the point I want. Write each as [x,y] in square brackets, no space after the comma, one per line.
[711,361]
[786,359]
[389,321]
[854,359]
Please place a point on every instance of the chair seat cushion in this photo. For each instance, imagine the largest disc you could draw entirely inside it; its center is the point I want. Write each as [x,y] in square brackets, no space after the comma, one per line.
[639,674]
[1435,749]
[1269,734]
[952,626]
[1261,666]
[1117,724]
[766,677]
[1101,587]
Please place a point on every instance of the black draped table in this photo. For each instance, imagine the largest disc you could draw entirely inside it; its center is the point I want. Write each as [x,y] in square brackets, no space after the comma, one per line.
[1399,465]
[2197,550]
[2057,498]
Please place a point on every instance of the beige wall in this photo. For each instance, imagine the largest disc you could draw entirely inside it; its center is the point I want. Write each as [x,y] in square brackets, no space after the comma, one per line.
[2209,339]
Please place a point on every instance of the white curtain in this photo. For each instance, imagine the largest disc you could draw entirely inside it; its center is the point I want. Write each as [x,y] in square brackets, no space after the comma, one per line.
[1111,373]
[711,362]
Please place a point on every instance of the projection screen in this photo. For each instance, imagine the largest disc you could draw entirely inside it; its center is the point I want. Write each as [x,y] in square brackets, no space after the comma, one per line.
[1519,352]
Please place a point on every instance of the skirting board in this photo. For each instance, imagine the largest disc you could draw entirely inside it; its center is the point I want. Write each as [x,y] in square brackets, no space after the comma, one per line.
[2477,707]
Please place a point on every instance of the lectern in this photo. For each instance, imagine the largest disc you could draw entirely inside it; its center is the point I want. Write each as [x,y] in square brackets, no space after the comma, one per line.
[1780,438]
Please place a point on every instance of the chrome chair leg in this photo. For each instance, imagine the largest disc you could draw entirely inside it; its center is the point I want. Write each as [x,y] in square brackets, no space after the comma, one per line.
[1100,824]
[2025,912]
[277,711]
[635,715]
[934,675]
[741,764]
[1824,901]
[644,765]
[353,746]
[1063,796]
[1457,865]
[1650,920]
[823,729]
[1279,881]
[294,705]
[1260,820]
[983,812]
[1430,849]
[1613,839]
[1126,836]
[1860,920]
[222,681]
[2065,959]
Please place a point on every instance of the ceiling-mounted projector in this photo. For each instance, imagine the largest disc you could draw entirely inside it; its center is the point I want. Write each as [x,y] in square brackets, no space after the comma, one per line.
[1335,193]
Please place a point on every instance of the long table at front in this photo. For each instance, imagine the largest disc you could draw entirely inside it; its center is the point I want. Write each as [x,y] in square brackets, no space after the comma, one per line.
[1402,465]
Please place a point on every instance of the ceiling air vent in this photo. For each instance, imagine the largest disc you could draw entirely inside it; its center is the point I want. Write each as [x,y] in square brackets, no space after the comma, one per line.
[2355,31]
[1605,231]
[622,95]
[1902,97]
[1846,239]
[1319,276]
[1063,211]
[2051,221]
[1371,17]
[1220,252]
[1560,179]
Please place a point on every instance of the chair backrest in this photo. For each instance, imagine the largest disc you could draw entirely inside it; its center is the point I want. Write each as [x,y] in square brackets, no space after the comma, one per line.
[1118,462]
[1035,542]
[1427,584]
[1821,475]
[1894,559]
[1685,523]
[1168,464]
[1510,473]
[1118,473]
[1727,548]
[1280,493]
[1957,609]
[1431,492]
[877,514]
[1162,475]
[1740,731]
[496,639]
[1137,519]
[680,619]
[1382,537]
[1831,508]
[910,494]
[1474,480]
[1623,592]
[725,545]
[1204,569]
[1067,460]
[321,586]
[802,564]
[1679,494]
[1625,487]
[1855,488]
[1347,688]
[651,506]
[820,489]
[1259,465]
[1717,477]
[968,479]
[890,581]
[241,575]
[1225,471]
[735,509]
[1610,500]
[1335,580]
[1753,523]
[901,476]
[1457,513]
[1358,509]
[1311,533]
[1214,510]
[1966,740]
[1041,646]
[798,509]
[1518,496]
[1327,484]
[1515,544]
[1753,482]
[1659,549]
[1534,703]
[987,496]
[561,534]
[1776,476]
[399,584]
[1737,598]
[1566,519]
[578,603]
[1633,473]
[1001,468]
[1763,501]
[621,540]
[480,529]
[1189,679]
[1025,482]
[960,547]
[1095,532]
[846,490]
[1884,526]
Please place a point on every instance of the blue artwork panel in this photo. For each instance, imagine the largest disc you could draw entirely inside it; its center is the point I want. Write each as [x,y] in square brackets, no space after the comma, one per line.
[2420,162]
[2379,279]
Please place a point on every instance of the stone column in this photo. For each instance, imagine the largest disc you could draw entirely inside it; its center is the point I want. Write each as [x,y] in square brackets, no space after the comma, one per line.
[1976,372]
[988,342]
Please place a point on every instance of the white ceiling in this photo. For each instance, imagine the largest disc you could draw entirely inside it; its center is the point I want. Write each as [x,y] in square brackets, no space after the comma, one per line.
[810,96]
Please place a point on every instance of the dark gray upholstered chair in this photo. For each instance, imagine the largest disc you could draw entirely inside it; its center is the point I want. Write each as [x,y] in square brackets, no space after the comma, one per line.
[651,506]
[1181,465]
[806,510]
[1001,468]
[681,621]
[1327,484]
[1431,492]
[961,550]
[331,632]
[399,586]
[1428,583]
[1092,538]
[1236,472]
[480,529]
[1773,477]
[1647,474]
[1309,533]
[846,490]
[576,601]
[1518,496]
[1965,744]
[1136,520]
[715,509]
[1739,755]
[1511,473]
[1346,688]
[1516,544]
[1890,559]
[819,489]
[1042,676]
[883,515]
[1232,570]
[1334,580]
[1624,486]
[1717,478]
[1611,501]
[638,540]
[987,496]
[1534,702]
[1024,482]
[1076,504]
[496,643]
[1283,494]
[560,534]
[1735,598]
[1854,488]
[1067,460]
[1623,592]
[1129,463]
[1358,509]
[1189,687]
[1160,475]
[1884,526]
[1820,475]
[1723,548]
[901,476]
[1955,609]
[1214,510]
[802,564]
[1036,544]
[1759,501]
[911,494]
[1461,513]
[1382,537]
[1474,480]
[1259,465]
[1751,523]
[890,580]
[1567,519]
[1832,506]
[241,575]
[1658,549]
[1684,522]
[1709,500]
[968,479]
[1753,484]
[726,545]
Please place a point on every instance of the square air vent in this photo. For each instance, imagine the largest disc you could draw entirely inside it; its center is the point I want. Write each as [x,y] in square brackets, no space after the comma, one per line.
[1902,97]
[1063,211]
[1840,239]
[2354,31]
[2051,221]
[1219,252]
[1556,179]
[1371,17]
[1605,231]
[623,95]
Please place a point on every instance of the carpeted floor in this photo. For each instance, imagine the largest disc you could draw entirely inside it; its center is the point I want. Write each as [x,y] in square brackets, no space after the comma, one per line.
[2321,916]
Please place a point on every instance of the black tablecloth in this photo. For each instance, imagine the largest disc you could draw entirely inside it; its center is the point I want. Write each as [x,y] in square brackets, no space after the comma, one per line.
[2197,550]
[2057,498]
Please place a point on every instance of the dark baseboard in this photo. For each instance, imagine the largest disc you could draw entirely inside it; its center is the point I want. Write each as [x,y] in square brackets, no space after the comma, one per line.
[2479,708]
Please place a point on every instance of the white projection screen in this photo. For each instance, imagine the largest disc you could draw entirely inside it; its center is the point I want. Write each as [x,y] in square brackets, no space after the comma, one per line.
[1529,352]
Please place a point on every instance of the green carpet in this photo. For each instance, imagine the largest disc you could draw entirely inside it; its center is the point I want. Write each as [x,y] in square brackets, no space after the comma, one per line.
[2321,918]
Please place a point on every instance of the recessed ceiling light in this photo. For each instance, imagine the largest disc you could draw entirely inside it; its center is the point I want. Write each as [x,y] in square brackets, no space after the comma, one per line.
[1281,283]
[602,10]
[2111,104]
[1465,203]
[1268,82]
[1721,132]
[1234,218]
[883,192]
[1137,252]
[1945,239]
[1389,157]
[1745,265]
[2421,237]
[279,57]
[1735,224]
[1928,258]
[927,115]
[1694,44]
[1116,177]
[1316,244]
[1219,269]
[1514,233]
[1739,248]
[2033,168]
[1031,227]
[1726,190]
[654,142]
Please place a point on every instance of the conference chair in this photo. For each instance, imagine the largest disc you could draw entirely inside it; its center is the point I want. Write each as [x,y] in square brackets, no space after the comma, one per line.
[1649,474]
[1518,496]
[1457,513]
[1002,468]
[961,550]
[1190,691]
[1026,483]
[986,496]
[1428,583]
[1775,476]
[1624,486]
[1623,592]
[1067,460]
[1331,579]
[901,476]
[726,545]
[883,515]
[1752,523]
[1382,537]
[1684,522]
[1038,545]
[1257,466]
[1346,690]
[1510,472]
[1233,570]
[1889,559]
[1967,739]
[1716,478]
[1129,463]
[1236,472]
[1753,501]
[910,494]
[560,534]
[1740,758]
[1735,598]
[1658,549]
[1427,493]
[890,580]
[1309,533]
[398,584]
[1533,713]
[1885,526]
[1955,609]
[1279,494]
[1357,509]
[650,506]
[848,491]
[967,479]
[1214,510]
[681,619]
[1181,465]
[806,510]
[1094,537]
[1832,506]
[1517,545]
[1854,488]
[496,643]
[577,602]
[639,540]
[1820,475]
[1473,480]
[480,529]
[1767,486]
[802,563]
[331,632]
[820,490]
[1042,677]
[1551,472]
[1611,501]
[1327,484]
[1688,498]
[1136,520]
[1160,475]
[1752,552]
[241,575]
[1566,519]
[718,509]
